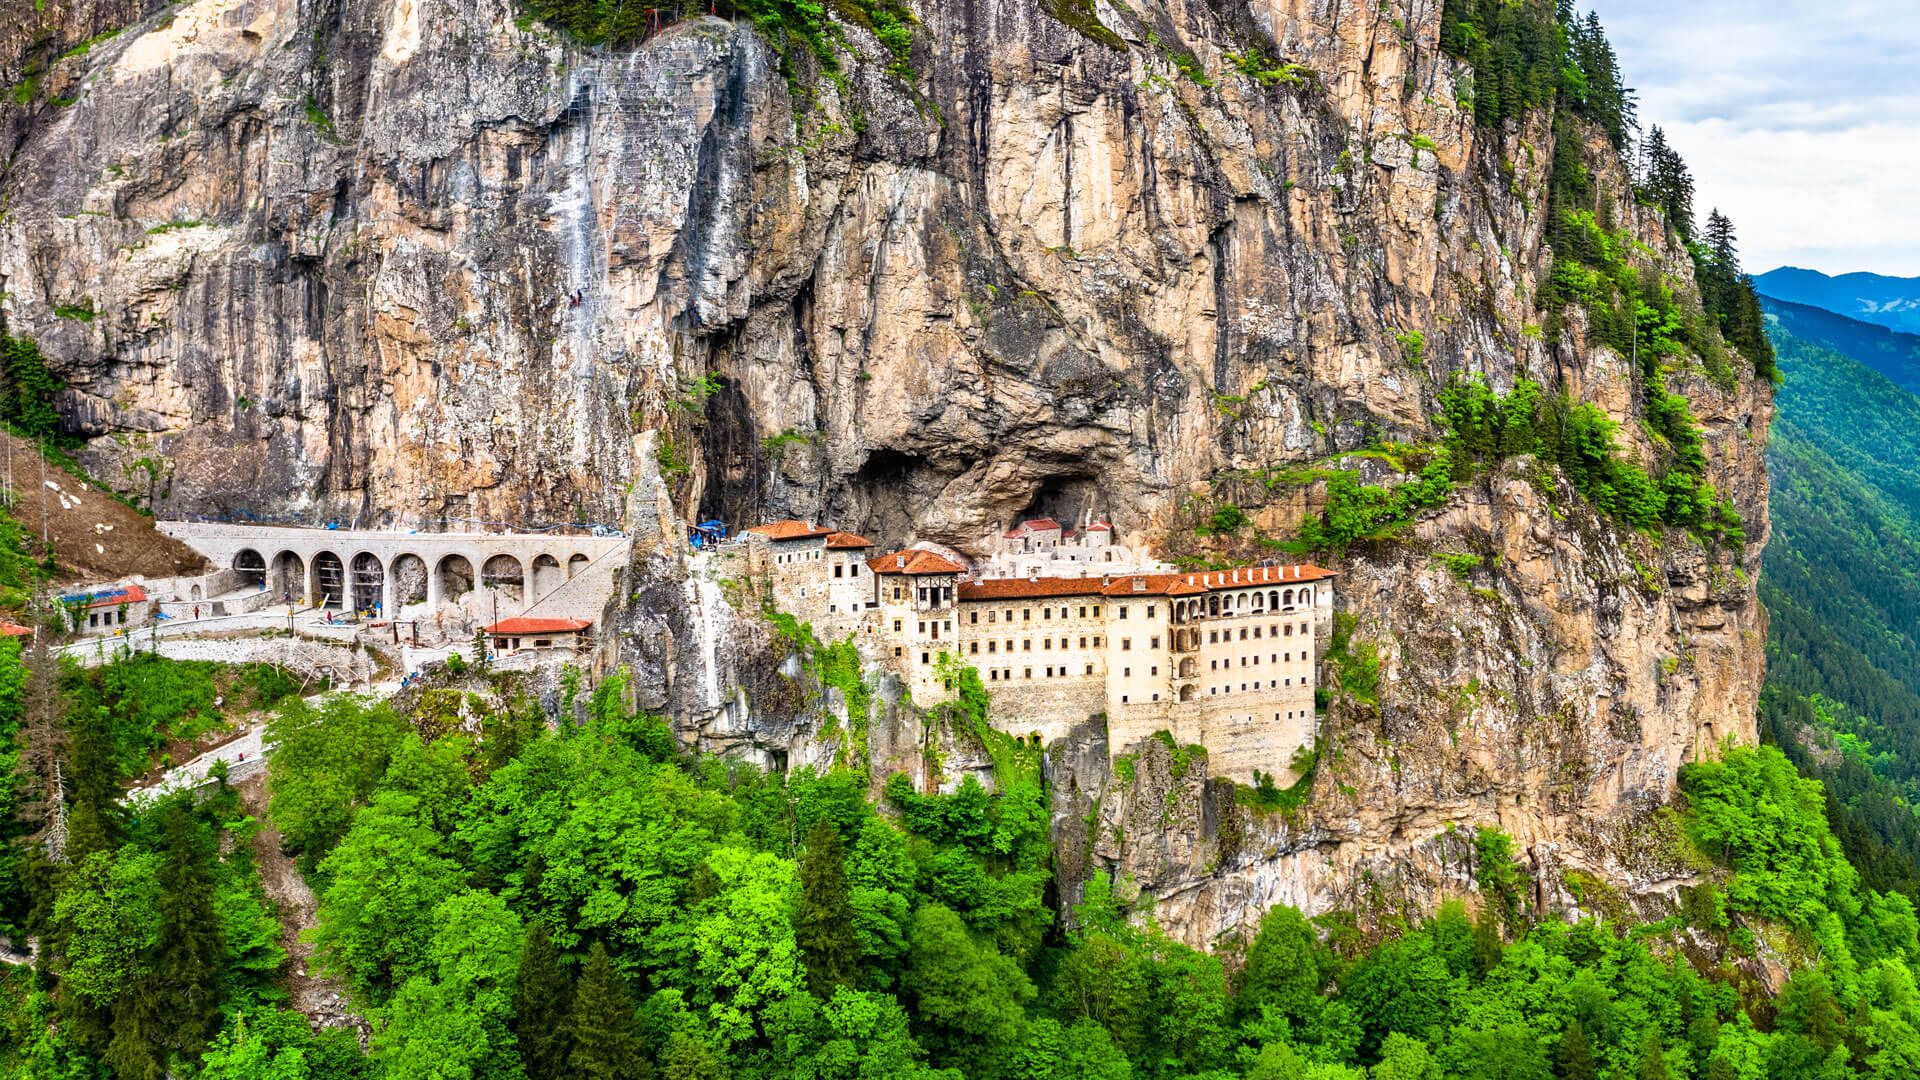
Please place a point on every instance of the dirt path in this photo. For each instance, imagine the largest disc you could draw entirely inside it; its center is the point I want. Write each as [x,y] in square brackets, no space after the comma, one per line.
[96,537]
[322,1000]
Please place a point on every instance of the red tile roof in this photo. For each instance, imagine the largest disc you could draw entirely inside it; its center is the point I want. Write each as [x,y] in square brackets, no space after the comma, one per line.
[848,540]
[1139,584]
[1099,526]
[914,561]
[1039,524]
[1028,588]
[526,625]
[13,629]
[791,529]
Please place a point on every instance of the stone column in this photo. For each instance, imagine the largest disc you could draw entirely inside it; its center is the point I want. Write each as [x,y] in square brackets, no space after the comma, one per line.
[388,590]
[526,590]
[433,587]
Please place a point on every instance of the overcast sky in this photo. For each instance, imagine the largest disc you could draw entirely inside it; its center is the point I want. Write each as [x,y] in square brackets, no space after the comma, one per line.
[1800,120]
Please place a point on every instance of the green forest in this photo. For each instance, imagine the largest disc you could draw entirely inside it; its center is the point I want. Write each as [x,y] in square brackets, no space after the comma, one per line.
[516,901]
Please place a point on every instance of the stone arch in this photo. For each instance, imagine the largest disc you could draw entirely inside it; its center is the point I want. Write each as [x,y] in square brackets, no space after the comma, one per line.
[194,593]
[547,575]
[576,564]
[329,581]
[1289,598]
[454,576]
[1259,602]
[1189,667]
[251,568]
[1186,692]
[289,576]
[1241,604]
[1273,600]
[369,582]
[504,574]
[409,572]
[1213,604]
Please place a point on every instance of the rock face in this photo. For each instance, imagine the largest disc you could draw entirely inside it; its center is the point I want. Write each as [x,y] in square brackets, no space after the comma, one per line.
[412,261]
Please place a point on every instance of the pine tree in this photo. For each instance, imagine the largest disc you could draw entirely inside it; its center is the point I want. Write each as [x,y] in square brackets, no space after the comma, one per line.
[606,1042]
[824,930]
[542,997]
[173,1007]
[43,743]
[1574,1059]
[1653,1060]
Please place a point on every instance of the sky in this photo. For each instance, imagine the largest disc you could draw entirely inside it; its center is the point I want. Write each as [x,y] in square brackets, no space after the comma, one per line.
[1800,120]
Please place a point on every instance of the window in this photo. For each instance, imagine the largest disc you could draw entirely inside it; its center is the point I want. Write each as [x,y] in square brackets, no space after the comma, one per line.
[1026,673]
[1089,669]
[1026,644]
[1083,641]
[1083,611]
[838,570]
[1156,697]
[1256,633]
[896,652]
[1063,613]
[1154,670]
[1126,673]
[973,617]
[1026,614]
[993,674]
[1213,637]
[1096,611]
[1126,644]
[923,626]
[1049,671]
[896,626]
[1123,611]
[1155,643]
[1046,613]
[1213,665]
[1123,699]
[992,616]
[1099,641]
[1149,611]
[924,658]
[973,647]
[993,646]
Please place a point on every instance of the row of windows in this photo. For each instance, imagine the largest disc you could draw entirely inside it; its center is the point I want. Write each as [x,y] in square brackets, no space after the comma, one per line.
[1214,636]
[1057,672]
[803,556]
[1272,658]
[1272,684]
[107,618]
[1046,644]
[851,569]
[1026,614]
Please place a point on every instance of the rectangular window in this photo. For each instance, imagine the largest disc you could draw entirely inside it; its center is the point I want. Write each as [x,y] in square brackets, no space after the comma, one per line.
[1046,613]
[973,618]
[838,570]
[973,647]
[1123,611]
[1026,644]
[896,626]
[1156,642]
[896,652]
[1243,633]
[1126,644]
[1026,673]
[1096,611]
[1046,643]
[1089,669]
[1149,611]
[923,626]
[1123,699]
[925,659]
[993,646]
[1083,611]
[1083,641]
[1154,670]
[1126,673]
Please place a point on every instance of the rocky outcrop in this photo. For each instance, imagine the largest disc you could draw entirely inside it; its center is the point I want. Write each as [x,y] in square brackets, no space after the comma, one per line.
[414,261]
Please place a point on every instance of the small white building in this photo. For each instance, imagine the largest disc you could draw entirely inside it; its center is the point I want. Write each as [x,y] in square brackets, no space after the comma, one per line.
[525,634]
[112,611]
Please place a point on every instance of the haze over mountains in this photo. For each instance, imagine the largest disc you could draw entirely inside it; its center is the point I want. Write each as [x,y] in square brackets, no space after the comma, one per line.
[1887,301]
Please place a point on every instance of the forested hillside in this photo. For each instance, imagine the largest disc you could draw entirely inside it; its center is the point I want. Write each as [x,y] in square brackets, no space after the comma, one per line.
[1842,578]
[503,901]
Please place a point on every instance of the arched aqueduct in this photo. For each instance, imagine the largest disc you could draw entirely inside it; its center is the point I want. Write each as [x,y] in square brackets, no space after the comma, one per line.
[360,569]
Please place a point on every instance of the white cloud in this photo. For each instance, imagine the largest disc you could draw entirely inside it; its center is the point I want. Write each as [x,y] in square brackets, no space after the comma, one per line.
[1796,118]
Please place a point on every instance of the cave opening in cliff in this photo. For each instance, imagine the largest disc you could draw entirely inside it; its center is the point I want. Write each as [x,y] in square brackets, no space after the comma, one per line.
[888,494]
[1069,499]
[736,462]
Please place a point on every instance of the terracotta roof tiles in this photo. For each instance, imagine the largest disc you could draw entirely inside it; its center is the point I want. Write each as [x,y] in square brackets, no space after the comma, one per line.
[915,561]
[790,529]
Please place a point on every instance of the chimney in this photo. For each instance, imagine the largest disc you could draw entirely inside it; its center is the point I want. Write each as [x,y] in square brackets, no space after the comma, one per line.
[900,561]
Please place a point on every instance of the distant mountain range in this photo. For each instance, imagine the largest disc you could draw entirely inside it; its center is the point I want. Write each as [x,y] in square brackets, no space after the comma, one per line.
[1842,574]
[1886,301]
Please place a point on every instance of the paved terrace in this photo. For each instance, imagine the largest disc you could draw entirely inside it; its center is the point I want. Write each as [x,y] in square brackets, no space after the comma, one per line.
[359,569]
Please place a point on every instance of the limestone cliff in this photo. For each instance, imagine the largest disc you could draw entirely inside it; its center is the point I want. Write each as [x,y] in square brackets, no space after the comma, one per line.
[423,260]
